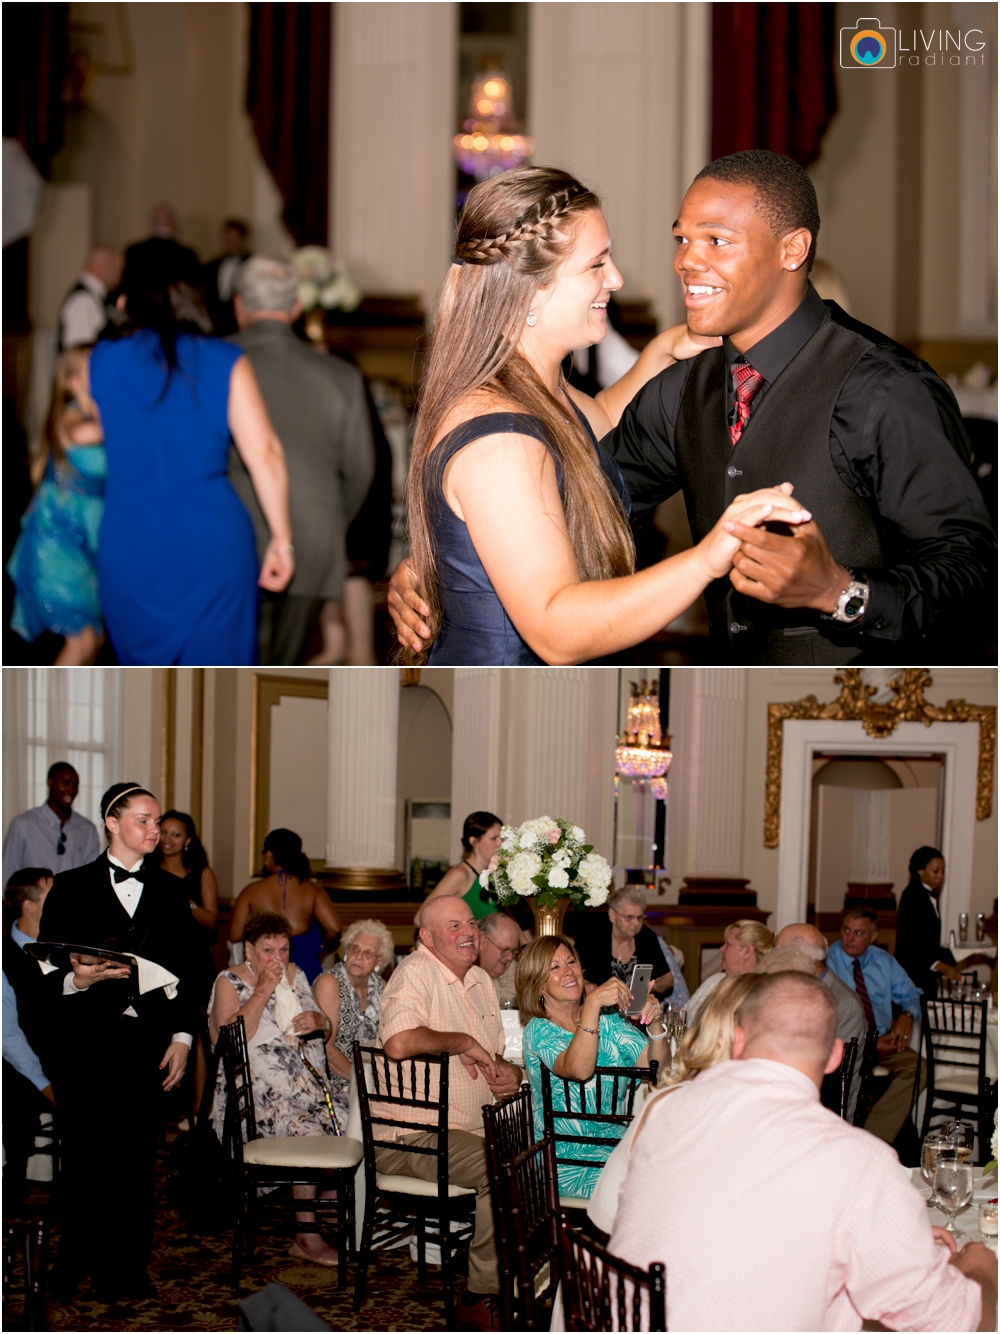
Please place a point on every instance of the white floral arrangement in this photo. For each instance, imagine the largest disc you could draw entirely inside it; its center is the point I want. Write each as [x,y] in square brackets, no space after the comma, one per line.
[547,860]
[991,1166]
[323,282]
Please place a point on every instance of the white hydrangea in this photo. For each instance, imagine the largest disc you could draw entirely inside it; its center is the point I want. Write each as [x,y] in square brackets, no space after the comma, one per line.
[595,873]
[595,897]
[561,858]
[558,878]
[520,871]
[577,834]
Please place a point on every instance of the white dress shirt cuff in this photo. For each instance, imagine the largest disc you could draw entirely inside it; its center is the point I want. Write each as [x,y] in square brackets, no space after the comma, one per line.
[69,986]
[186,1038]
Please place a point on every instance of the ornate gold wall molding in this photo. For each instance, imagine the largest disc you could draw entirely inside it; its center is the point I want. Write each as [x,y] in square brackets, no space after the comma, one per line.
[855,704]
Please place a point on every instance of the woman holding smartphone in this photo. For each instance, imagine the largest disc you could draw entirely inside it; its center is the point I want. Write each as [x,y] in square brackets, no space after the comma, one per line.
[573,1032]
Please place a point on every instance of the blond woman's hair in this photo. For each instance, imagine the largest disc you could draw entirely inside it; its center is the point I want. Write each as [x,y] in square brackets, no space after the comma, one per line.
[533,966]
[514,232]
[69,364]
[709,1040]
[751,933]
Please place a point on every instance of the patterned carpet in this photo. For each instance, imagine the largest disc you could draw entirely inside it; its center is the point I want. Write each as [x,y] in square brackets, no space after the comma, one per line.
[191,1273]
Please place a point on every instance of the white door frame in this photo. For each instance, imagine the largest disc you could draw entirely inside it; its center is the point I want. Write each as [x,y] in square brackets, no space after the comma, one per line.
[804,738]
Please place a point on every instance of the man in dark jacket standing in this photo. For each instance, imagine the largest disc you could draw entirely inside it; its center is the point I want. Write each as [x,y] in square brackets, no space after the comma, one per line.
[318,407]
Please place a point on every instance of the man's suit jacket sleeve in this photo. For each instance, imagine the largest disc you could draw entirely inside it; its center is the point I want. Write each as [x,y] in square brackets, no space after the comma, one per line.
[357,448]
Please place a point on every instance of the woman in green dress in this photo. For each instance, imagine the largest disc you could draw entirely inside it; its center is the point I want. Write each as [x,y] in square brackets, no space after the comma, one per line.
[480,840]
[573,1032]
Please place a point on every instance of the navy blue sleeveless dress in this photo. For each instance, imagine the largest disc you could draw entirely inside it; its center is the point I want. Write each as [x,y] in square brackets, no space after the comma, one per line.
[475,629]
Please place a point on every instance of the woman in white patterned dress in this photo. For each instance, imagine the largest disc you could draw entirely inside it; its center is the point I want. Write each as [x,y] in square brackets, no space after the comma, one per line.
[288,1098]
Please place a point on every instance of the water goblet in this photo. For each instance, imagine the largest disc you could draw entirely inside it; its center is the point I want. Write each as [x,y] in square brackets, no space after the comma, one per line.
[934,1145]
[953,1187]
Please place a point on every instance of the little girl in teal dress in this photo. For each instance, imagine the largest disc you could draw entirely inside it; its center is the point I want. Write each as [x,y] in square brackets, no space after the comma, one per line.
[53,565]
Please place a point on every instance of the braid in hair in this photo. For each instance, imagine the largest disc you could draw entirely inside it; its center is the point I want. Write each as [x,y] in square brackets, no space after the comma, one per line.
[514,232]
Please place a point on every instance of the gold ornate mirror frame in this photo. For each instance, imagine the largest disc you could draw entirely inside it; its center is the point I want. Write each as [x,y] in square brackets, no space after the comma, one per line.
[855,704]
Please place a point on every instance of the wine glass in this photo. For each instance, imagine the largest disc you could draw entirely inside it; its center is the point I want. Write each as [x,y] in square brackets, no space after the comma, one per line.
[963,1135]
[953,1187]
[935,1143]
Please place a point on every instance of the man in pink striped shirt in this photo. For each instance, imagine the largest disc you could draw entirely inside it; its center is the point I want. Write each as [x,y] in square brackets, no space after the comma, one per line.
[783,1216]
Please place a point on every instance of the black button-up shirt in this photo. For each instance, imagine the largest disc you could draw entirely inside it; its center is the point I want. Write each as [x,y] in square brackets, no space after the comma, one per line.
[896,438]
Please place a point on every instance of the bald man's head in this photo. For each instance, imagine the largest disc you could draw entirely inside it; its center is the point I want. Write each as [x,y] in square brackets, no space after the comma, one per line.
[805,938]
[448,929]
[792,1019]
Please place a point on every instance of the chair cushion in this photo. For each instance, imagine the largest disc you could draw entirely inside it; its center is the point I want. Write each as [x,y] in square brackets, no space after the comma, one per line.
[573,1202]
[405,1185]
[950,1080]
[313,1151]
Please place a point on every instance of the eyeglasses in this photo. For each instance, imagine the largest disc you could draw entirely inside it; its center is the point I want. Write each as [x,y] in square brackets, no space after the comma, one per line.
[61,845]
[629,917]
[508,953]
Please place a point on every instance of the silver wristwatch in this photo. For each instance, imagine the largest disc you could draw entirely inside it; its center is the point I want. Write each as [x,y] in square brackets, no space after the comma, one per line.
[852,602]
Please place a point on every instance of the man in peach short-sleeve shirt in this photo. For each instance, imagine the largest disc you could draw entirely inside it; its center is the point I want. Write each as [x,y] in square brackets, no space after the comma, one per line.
[439,1000]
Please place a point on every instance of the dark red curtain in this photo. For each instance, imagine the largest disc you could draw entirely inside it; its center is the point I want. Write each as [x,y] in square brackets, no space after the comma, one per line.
[773,80]
[35,53]
[288,98]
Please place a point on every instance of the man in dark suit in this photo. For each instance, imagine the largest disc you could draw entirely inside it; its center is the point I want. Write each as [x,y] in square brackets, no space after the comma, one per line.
[116,1046]
[319,410]
[898,560]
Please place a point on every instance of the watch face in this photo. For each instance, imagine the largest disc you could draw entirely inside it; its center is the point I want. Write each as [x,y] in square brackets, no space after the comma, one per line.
[854,606]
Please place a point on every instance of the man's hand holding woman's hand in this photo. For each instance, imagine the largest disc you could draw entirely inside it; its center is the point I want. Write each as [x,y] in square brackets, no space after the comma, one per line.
[406,607]
[772,504]
[476,1058]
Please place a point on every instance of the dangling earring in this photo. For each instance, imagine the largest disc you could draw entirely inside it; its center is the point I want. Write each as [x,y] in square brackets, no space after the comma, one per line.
[532,319]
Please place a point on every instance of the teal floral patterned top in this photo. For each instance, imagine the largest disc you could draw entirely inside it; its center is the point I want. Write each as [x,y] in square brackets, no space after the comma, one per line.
[618,1043]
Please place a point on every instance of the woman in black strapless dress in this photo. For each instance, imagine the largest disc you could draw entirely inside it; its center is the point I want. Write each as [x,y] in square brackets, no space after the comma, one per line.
[520,543]
[182,854]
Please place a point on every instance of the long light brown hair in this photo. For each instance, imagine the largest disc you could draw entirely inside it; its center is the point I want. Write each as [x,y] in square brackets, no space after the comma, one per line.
[69,366]
[514,232]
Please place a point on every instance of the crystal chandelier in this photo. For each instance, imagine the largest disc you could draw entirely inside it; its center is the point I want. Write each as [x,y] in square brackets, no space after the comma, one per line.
[490,143]
[640,754]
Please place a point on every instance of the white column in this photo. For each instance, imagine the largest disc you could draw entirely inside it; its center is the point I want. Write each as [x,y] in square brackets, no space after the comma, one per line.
[392,175]
[708,739]
[537,741]
[363,720]
[620,97]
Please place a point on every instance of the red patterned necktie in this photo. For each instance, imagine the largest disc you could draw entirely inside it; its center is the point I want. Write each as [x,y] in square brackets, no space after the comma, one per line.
[861,988]
[747,382]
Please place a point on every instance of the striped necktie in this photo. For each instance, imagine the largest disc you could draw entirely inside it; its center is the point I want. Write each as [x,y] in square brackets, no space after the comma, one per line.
[862,990]
[746,382]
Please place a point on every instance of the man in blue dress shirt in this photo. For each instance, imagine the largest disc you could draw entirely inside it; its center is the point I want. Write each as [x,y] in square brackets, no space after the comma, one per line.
[26,1024]
[53,834]
[880,983]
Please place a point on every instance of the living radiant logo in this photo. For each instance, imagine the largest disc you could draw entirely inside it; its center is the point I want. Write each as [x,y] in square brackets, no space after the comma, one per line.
[869,45]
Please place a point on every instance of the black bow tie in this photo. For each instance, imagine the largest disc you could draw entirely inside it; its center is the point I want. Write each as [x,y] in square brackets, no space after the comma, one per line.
[121,874]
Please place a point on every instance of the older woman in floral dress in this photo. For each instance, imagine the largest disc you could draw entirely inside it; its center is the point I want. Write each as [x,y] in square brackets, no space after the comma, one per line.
[289,1098]
[350,995]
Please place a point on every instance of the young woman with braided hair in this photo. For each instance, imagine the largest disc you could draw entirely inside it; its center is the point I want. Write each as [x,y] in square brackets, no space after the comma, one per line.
[520,543]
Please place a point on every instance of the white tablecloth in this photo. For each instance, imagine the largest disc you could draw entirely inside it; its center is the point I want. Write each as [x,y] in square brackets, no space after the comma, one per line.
[968,1220]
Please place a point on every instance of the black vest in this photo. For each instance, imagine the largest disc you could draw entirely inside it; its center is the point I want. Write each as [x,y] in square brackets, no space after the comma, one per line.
[787,439]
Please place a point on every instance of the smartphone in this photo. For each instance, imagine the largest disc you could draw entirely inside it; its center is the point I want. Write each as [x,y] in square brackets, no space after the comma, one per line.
[642,975]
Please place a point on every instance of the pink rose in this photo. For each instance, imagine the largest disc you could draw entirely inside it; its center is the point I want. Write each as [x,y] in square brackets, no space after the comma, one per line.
[493,864]
[555,835]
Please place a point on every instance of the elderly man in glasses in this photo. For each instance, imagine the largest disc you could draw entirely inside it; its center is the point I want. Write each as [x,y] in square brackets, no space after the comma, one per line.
[499,946]
[52,834]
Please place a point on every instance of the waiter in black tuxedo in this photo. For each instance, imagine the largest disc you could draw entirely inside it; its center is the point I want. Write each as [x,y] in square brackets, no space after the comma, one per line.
[116,1050]
[918,926]
[896,560]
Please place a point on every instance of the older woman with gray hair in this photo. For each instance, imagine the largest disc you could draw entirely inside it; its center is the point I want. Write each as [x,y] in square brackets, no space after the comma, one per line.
[320,411]
[350,995]
[611,946]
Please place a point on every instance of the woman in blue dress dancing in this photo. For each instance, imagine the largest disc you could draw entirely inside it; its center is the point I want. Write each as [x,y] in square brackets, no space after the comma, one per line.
[520,543]
[54,564]
[176,560]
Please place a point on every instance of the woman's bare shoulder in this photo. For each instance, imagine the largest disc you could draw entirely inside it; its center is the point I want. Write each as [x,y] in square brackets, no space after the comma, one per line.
[479,404]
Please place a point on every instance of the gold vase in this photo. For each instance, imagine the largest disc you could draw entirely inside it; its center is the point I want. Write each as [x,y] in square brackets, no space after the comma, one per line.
[549,921]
